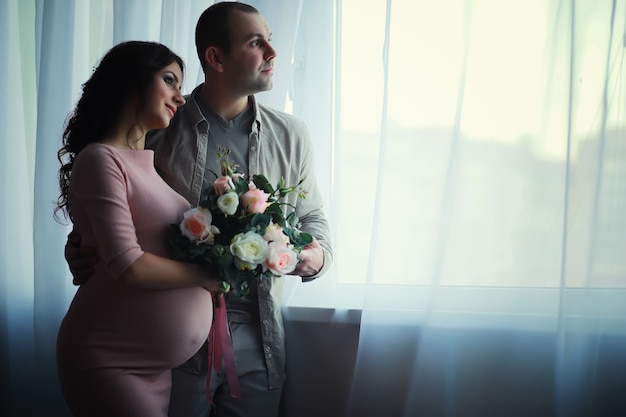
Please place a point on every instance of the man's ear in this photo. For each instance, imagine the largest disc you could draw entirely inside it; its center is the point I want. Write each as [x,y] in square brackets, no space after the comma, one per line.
[213,58]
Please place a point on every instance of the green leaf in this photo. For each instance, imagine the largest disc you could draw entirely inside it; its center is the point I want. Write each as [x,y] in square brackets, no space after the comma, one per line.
[276,213]
[218,250]
[260,222]
[298,238]
[224,286]
[292,219]
[241,185]
[226,260]
[262,183]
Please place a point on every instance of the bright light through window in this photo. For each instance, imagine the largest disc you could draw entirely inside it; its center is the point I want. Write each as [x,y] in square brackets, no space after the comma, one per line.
[452,161]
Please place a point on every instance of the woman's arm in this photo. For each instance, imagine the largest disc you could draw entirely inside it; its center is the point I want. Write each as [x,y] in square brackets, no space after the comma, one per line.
[100,192]
[155,272]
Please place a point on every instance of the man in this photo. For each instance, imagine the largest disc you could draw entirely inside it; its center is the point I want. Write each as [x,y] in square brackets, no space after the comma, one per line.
[233,45]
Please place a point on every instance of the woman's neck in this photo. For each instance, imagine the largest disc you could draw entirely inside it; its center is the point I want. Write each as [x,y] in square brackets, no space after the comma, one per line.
[127,138]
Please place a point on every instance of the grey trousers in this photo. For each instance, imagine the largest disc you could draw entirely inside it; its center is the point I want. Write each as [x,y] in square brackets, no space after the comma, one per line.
[188,398]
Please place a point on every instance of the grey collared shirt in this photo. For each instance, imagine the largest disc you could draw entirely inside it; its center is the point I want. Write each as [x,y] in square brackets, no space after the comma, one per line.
[279,146]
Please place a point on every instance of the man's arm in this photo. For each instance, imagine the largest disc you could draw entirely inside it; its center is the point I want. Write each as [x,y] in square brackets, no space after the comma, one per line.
[81,260]
[315,258]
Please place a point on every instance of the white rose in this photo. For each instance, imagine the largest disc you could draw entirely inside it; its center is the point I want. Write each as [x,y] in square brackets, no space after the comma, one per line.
[274,233]
[249,250]
[228,203]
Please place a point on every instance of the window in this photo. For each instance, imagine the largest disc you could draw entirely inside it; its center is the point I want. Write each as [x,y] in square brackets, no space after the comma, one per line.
[458,160]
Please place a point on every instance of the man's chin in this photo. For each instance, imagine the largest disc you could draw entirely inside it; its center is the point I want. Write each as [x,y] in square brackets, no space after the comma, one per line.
[260,87]
[266,86]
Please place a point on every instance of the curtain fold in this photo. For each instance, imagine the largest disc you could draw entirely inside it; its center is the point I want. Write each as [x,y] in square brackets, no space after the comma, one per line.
[48,239]
[511,303]
[16,213]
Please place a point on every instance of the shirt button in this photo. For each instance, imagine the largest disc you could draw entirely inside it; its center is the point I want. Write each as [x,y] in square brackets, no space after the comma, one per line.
[268,349]
[253,148]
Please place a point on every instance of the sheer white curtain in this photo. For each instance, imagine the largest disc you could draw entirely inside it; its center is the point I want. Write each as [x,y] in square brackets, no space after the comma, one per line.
[478,201]
[471,154]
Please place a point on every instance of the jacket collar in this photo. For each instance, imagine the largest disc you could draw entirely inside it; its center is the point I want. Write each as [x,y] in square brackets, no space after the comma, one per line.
[196,117]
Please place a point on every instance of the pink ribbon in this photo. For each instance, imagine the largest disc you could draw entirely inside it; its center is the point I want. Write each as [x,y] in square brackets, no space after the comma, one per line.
[220,346]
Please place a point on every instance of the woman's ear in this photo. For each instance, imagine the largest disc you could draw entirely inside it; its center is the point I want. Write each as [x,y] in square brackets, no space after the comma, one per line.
[213,58]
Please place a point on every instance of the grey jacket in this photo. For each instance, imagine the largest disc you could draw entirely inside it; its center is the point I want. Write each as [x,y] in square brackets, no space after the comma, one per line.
[280,146]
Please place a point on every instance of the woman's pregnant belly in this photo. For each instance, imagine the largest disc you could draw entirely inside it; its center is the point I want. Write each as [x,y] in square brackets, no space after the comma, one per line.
[119,326]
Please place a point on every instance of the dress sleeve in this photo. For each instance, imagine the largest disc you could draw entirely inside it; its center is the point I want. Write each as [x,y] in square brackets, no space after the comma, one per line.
[99,193]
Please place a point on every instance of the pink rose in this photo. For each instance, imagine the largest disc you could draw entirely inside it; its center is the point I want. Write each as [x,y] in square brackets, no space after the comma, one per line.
[197,227]
[255,201]
[226,183]
[281,259]
[221,185]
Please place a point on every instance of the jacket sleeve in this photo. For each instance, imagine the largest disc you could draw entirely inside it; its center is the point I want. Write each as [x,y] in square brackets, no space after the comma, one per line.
[310,210]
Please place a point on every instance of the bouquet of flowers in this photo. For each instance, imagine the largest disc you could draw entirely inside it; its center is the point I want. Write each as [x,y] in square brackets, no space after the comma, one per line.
[240,230]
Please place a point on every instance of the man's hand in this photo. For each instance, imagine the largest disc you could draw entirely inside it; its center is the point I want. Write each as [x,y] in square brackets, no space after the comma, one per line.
[311,260]
[80,260]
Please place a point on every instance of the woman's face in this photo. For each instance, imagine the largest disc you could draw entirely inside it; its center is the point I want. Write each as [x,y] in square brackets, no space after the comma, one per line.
[163,98]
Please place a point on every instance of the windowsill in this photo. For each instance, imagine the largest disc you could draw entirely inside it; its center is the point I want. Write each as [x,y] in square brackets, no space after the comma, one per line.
[532,309]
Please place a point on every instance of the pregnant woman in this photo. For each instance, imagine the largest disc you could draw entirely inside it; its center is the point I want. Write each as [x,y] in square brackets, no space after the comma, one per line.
[141,314]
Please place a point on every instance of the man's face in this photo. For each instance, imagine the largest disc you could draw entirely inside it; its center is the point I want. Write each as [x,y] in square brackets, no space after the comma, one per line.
[248,68]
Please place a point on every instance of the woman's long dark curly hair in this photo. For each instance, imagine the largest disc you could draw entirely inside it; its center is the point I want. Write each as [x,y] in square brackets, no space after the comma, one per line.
[125,72]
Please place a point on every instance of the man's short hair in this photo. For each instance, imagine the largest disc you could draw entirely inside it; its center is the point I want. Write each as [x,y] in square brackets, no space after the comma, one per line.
[213,27]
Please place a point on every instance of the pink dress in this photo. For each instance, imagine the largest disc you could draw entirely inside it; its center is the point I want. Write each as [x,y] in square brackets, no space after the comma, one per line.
[117,344]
